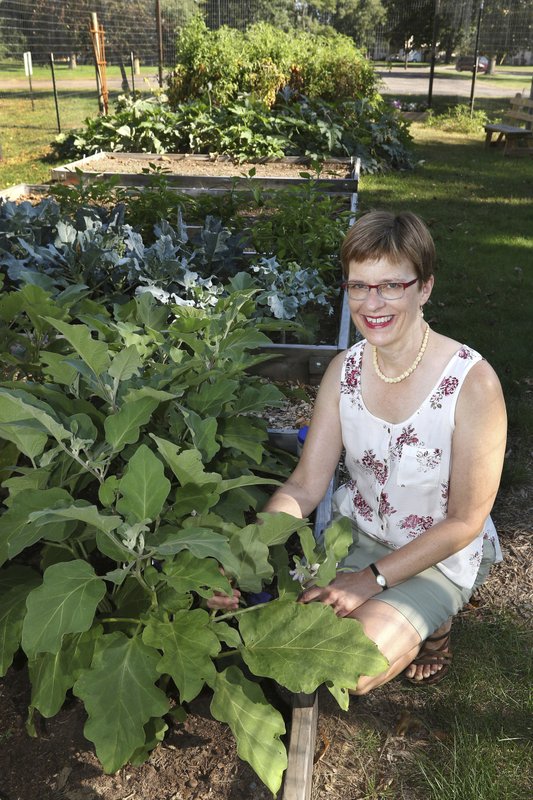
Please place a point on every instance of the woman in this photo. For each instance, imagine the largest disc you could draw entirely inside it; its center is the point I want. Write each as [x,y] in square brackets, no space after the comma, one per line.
[422,420]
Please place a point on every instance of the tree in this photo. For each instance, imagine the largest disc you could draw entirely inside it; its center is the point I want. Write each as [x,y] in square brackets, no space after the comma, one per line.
[454,27]
[410,25]
[236,14]
[506,28]
[358,19]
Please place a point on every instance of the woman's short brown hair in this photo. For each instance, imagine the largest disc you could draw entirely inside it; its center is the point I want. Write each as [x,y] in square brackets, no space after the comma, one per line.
[382,234]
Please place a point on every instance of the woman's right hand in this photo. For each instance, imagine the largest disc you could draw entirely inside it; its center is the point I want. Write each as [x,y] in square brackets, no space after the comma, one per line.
[222,602]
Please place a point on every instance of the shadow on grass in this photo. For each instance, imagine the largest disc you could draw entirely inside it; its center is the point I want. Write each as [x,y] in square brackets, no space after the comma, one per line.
[483,708]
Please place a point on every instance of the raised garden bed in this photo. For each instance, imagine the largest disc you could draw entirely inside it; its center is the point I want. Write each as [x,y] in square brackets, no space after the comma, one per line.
[195,173]
[25,191]
[192,172]
[198,173]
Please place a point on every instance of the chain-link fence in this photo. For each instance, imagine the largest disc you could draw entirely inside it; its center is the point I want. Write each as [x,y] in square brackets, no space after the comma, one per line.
[143,33]
[148,28]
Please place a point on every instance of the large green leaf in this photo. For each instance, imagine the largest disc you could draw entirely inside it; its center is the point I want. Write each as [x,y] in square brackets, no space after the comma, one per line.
[144,487]
[256,725]
[282,635]
[36,303]
[252,556]
[190,574]
[212,397]
[25,437]
[257,398]
[277,528]
[18,406]
[27,478]
[123,427]
[81,511]
[93,352]
[57,368]
[203,430]
[244,435]
[53,674]
[120,697]
[239,341]
[194,499]
[338,538]
[188,645]
[15,584]
[16,530]
[66,602]
[125,364]
[187,466]
[201,542]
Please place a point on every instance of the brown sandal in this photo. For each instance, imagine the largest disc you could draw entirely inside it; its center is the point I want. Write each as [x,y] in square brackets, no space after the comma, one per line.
[440,655]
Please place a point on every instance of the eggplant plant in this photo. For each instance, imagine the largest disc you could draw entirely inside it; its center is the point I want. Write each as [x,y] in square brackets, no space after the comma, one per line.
[132,472]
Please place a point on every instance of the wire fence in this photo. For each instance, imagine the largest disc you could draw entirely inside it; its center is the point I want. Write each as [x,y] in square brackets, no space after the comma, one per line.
[62,26]
[143,33]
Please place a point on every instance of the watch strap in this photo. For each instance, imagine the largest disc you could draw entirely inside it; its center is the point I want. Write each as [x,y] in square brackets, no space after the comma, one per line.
[381,579]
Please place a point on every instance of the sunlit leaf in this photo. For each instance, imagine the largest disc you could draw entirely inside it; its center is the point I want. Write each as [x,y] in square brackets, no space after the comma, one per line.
[256,725]
[282,635]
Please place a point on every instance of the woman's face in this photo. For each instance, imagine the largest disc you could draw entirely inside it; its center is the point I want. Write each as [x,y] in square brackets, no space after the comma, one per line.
[383,321]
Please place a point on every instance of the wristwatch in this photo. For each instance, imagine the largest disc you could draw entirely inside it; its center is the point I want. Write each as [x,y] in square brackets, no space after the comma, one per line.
[379,577]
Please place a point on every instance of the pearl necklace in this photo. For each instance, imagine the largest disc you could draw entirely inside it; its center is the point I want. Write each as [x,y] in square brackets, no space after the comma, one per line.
[408,371]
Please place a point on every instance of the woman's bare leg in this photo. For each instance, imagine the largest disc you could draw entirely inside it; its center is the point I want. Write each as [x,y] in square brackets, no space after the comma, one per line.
[395,637]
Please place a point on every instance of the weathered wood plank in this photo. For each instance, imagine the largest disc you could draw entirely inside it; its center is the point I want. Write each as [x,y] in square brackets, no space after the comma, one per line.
[299,775]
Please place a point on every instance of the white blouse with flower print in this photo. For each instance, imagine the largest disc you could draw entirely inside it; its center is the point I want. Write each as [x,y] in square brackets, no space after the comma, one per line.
[400,472]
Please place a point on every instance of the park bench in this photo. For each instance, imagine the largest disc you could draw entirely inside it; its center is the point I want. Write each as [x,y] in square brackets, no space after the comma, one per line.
[516,131]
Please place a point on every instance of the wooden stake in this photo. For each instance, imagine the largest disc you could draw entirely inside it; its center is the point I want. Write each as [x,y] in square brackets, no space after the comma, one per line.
[98,43]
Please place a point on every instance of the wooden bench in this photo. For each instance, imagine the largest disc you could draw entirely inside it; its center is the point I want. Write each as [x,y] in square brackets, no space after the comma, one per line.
[516,131]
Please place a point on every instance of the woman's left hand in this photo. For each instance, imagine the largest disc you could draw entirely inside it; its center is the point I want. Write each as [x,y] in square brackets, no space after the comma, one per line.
[344,594]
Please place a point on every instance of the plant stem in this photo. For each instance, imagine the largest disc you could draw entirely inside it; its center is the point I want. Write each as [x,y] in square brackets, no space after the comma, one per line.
[238,612]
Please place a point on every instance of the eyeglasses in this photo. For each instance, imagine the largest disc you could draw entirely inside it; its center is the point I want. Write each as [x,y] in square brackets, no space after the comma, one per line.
[393,290]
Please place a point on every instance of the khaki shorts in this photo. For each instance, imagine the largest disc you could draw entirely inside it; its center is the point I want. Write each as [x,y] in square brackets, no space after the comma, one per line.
[428,599]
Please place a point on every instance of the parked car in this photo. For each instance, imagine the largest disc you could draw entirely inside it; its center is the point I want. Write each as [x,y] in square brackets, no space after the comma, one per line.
[414,56]
[467,62]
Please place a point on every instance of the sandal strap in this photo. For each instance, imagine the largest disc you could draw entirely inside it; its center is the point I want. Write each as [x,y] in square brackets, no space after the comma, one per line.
[433,657]
[438,638]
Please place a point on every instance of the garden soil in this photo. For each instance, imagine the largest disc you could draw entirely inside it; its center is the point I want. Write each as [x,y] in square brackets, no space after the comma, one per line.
[207,167]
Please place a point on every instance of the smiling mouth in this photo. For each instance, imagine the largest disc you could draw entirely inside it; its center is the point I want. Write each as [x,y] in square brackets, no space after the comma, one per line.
[375,321]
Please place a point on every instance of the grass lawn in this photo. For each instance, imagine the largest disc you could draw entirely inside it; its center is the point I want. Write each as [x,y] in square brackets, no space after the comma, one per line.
[26,132]
[11,70]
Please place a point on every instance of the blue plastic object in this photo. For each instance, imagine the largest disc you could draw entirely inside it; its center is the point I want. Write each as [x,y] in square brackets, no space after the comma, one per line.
[302,433]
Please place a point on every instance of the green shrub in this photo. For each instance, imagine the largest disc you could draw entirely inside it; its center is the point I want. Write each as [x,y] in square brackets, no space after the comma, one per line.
[248,130]
[223,64]
[458,119]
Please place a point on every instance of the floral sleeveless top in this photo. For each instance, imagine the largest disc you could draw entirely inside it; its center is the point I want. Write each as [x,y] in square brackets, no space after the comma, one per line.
[399,472]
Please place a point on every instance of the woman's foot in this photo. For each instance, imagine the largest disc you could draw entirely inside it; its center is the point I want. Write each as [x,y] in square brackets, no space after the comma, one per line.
[433,659]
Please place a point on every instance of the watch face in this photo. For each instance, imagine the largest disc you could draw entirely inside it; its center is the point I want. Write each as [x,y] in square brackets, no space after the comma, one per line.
[381,580]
